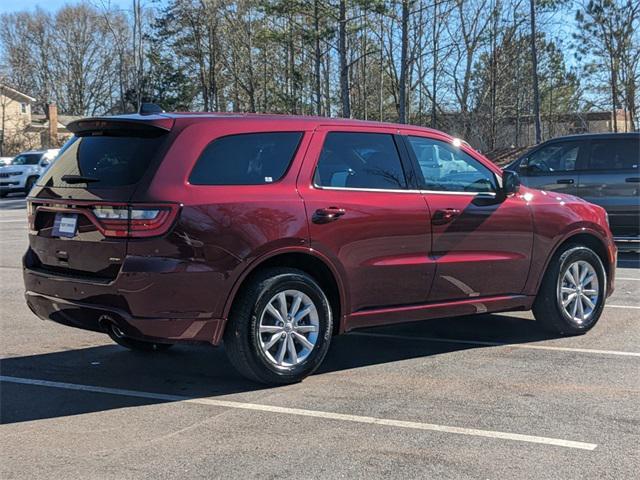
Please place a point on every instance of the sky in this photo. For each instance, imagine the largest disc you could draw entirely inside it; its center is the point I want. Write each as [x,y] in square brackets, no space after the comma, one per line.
[8,6]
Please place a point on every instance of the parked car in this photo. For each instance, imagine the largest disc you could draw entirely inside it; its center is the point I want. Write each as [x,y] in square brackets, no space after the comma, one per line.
[601,168]
[272,233]
[21,173]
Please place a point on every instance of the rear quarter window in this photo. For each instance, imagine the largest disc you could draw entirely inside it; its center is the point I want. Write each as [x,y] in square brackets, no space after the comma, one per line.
[246,159]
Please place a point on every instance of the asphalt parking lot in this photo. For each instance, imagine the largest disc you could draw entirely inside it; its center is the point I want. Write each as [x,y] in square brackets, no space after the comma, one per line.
[487,397]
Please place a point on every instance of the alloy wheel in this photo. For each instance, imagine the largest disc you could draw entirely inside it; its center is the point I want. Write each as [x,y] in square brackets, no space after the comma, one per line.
[288,328]
[578,292]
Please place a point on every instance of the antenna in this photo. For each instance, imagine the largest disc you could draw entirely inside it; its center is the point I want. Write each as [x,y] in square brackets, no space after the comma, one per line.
[150,109]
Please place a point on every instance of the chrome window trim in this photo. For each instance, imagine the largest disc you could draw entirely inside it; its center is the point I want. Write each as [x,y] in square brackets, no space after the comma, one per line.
[391,190]
[355,189]
[444,192]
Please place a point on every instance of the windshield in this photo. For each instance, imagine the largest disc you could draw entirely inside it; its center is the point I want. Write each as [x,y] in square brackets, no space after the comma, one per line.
[27,159]
[102,161]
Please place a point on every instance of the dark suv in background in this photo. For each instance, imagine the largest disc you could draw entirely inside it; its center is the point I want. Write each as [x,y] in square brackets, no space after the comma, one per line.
[601,168]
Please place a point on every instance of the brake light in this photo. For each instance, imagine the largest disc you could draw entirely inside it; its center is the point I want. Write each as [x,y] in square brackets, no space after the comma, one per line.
[138,221]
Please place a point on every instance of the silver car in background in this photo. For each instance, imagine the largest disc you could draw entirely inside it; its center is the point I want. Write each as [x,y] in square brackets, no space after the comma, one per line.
[600,168]
[21,174]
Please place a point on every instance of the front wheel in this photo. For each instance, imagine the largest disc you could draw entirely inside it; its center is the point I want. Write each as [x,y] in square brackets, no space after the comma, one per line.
[280,327]
[573,291]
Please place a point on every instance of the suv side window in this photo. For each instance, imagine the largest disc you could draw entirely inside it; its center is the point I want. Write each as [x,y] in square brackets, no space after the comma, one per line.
[360,160]
[556,157]
[447,168]
[619,154]
[246,159]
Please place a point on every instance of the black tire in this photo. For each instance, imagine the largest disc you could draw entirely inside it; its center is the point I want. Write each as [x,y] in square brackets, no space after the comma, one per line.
[241,337]
[547,308]
[31,181]
[137,345]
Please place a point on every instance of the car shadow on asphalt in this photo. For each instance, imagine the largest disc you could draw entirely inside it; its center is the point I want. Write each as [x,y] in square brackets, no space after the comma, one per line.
[198,371]
[628,260]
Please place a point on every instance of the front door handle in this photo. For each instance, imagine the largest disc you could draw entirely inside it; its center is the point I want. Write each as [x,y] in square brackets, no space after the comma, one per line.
[440,217]
[632,180]
[567,181]
[326,215]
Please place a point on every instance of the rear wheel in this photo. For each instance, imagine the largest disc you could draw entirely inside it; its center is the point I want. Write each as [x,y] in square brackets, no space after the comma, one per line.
[121,339]
[573,290]
[280,327]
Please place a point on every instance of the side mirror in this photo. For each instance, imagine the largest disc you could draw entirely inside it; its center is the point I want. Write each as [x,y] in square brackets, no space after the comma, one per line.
[44,163]
[510,183]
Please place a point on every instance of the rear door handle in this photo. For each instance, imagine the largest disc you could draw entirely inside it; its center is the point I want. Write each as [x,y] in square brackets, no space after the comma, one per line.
[567,181]
[632,180]
[326,215]
[445,215]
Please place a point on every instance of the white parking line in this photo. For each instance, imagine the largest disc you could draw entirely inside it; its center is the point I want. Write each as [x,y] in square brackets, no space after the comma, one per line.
[627,278]
[498,344]
[633,307]
[558,442]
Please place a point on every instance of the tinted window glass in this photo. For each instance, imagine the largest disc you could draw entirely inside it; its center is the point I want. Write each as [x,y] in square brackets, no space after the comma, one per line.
[109,161]
[247,159]
[447,168]
[621,154]
[360,160]
[27,159]
[556,157]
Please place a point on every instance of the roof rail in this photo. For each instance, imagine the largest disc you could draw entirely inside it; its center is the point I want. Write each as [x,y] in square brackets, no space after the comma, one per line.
[149,108]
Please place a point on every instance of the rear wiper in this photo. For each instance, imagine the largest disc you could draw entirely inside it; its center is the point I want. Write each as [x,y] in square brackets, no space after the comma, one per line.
[78,179]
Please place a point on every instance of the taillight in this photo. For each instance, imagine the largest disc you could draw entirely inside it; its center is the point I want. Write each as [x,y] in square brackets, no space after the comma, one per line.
[136,221]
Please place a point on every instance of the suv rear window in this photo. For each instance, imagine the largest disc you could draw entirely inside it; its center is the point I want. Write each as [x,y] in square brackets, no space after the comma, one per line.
[246,159]
[109,161]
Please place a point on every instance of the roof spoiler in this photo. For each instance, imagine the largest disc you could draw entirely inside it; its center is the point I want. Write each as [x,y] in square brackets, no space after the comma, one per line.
[132,124]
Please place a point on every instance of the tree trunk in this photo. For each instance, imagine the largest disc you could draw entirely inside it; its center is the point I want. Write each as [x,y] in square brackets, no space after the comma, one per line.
[317,55]
[404,50]
[614,94]
[434,76]
[534,74]
[344,67]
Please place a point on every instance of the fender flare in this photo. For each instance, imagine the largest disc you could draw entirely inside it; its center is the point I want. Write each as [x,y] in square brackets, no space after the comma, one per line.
[257,262]
[574,231]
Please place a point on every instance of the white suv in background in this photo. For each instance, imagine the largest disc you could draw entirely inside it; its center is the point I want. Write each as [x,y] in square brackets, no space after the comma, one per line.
[21,174]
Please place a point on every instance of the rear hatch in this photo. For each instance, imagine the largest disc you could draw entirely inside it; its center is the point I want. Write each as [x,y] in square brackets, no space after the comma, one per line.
[80,215]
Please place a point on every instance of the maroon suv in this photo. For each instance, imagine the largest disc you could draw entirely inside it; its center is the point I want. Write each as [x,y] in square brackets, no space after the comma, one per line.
[273,233]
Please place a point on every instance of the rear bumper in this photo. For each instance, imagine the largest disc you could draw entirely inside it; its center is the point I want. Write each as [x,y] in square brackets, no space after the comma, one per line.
[92,305]
[627,243]
[97,317]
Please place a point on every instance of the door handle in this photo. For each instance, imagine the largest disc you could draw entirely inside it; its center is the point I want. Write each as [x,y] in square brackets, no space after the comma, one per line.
[440,217]
[632,180]
[326,215]
[567,181]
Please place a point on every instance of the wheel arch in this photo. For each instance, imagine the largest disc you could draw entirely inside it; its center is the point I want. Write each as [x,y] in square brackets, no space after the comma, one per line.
[310,262]
[588,238]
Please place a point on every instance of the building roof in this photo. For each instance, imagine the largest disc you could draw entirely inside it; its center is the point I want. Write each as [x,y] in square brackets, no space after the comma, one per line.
[16,93]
